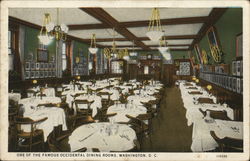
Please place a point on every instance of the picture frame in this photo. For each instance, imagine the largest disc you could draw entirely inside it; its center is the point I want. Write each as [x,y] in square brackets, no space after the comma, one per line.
[27,74]
[239,45]
[230,83]
[49,66]
[32,74]
[45,74]
[238,89]
[42,55]
[27,65]
[226,82]
[212,36]
[234,64]
[37,66]
[32,66]
[41,66]
[241,68]
[37,74]
[234,84]
[241,86]
[238,68]
[45,66]
[49,74]
[41,74]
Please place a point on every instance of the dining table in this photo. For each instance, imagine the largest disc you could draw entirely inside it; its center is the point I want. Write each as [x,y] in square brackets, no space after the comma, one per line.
[55,115]
[104,135]
[125,109]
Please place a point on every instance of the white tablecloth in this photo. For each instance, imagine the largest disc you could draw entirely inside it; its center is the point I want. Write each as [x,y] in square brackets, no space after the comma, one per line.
[122,111]
[29,103]
[137,99]
[202,139]
[56,117]
[96,135]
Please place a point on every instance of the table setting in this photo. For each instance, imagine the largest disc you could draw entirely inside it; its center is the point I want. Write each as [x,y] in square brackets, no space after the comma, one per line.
[104,136]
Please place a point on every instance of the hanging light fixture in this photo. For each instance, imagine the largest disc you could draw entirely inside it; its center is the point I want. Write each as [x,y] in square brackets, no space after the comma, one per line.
[133,53]
[44,37]
[163,44]
[93,49]
[58,31]
[154,27]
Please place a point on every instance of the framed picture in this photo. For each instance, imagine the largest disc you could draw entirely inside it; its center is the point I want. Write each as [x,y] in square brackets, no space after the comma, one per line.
[212,37]
[226,82]
[238,68]
[41,74]
[239,45]
[32,74]
[45,74]
[234,70]
[37,74]
[27,65]
[234,84]
[241,86]
[238,89]
[50,66]
[42,55]
[27,74]
[230,83]
[53,73]
[241,68]
[54,65]
[33,66]
[37,66]
[41,66]
[49,74]
[45,66]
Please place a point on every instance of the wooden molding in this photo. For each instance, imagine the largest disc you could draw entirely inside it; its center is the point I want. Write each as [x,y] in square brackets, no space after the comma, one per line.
[107,19]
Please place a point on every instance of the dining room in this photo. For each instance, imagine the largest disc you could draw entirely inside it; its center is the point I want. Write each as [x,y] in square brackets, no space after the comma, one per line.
[125,80]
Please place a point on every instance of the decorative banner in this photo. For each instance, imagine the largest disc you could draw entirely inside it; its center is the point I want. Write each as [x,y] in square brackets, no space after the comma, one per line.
[198,53]
[216,51]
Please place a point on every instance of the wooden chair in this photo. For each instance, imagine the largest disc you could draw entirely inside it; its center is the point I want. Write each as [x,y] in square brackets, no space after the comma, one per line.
[32,138]
[56,145]
[228,144]
[221,115]
[146,117]
[87,111]
[103,94]
[105,117]
[138,125]
[81,120]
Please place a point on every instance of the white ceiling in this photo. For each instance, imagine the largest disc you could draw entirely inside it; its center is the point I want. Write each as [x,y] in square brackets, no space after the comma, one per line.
[77,16]
[135,14]
[66,15]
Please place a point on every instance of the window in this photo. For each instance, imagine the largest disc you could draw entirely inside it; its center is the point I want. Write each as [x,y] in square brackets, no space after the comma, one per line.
[146,70]
[117,67]
[64,57]
[10,50]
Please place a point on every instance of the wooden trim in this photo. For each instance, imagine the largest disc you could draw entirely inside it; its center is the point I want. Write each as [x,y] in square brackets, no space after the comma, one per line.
[107,19]
[172,37]
[130,46]
[143,23]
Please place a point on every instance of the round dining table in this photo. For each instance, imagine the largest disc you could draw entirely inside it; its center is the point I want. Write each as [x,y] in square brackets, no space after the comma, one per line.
[104,136]
[122,110]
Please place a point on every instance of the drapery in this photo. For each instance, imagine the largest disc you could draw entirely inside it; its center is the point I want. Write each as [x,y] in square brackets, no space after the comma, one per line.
[21,50]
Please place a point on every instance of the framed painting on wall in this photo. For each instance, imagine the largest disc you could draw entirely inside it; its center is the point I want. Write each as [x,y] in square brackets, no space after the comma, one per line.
[42,55]
[238,86]
[239,45]
[214,44]
[27,65]
[27,74]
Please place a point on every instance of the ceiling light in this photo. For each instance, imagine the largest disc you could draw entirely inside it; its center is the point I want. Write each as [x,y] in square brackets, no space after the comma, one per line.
[44,37]
[93,49]
[133,53]
[154,28]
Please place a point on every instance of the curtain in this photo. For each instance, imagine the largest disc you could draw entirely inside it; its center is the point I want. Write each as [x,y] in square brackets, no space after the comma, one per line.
[59,59]
[21,50]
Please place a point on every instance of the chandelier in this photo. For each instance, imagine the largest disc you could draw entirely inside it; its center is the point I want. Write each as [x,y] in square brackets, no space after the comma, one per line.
[154,28]
[93,49]
[44,37]
[58,31]
[163,45]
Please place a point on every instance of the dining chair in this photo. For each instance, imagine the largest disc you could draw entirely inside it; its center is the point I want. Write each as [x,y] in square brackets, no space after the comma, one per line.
[32,138]
[82,119]
[221,115]
[80,103]
[105,117]
[228,144]
[60,145]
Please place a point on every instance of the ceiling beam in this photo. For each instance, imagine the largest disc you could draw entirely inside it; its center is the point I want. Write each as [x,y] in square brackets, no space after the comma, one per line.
[174,49]
[173,37]
[107,19]
[143,23]
[131,46]
[214,15]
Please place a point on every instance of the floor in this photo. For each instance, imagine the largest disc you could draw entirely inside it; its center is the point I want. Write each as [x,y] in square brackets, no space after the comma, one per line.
[170,132]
